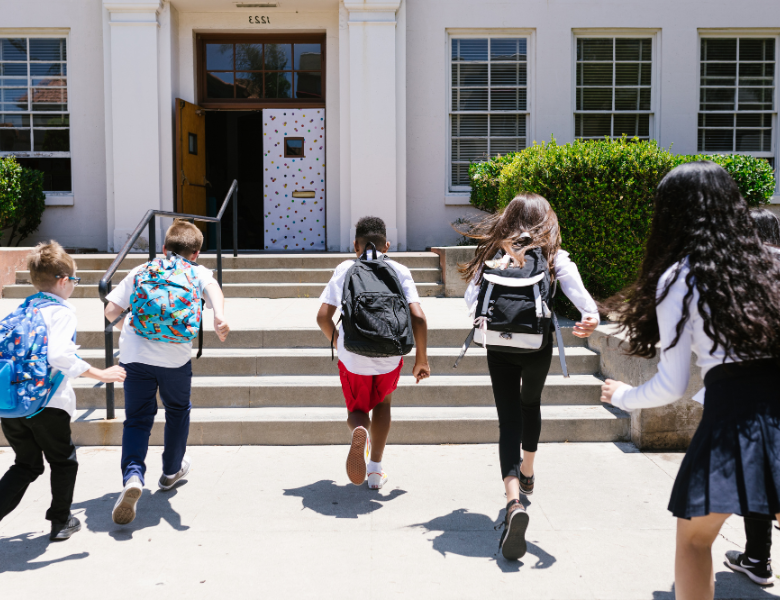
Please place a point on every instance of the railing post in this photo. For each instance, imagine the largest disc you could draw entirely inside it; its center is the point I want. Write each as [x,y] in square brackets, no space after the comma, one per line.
[219,253]
[235,221]
[109,343]
[152,239]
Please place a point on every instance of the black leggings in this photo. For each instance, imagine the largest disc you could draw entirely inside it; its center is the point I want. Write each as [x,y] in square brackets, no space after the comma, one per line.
[519,408]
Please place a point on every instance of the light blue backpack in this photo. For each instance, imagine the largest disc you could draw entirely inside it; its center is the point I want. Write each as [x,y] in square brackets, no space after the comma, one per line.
[27,381]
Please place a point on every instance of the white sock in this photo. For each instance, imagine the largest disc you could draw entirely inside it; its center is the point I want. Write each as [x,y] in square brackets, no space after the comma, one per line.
[374,467]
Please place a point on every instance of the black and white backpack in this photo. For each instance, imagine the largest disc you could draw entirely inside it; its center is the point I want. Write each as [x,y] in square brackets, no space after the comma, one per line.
[374,310]
[514,309]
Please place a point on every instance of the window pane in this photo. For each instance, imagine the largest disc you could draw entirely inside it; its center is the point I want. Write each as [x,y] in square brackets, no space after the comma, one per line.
[752,120]
[505,146]
[595,125]
[717,99]
[471,75]
[219,57]
[626,125]
[508,49]
[249,85]
[512,99]
[16,95]
[755,98]
[596,74]
[48,69]
[595,99]
[471,99]
[470,150]
[308,57]
[13,48]
[716,140]
[468,50]
[718,73]
[13,69]
[626,99]
[47,94]
[644,99]
[755,49]
[469,125]
[626,49]
[47,49]
[627,74]
[278,85]
[16,120]
[14,140]
[56,172]
[48,81]
[749,140]
[718,49]
[51,140]
[507,126]
[716,120]
[460,174]
[308,85]
[219,85]
[278,57]
[249,57]
[594,49]
[13,82]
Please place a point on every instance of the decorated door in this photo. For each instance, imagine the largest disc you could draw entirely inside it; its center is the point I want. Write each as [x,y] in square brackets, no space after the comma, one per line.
[191,160]
[294,178]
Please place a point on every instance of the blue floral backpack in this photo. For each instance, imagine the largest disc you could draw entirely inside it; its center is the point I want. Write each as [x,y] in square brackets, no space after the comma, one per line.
[166,302]
[27,381]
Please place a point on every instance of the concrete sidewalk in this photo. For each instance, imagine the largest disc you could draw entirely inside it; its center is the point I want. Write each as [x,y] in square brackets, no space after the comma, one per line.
[283,522]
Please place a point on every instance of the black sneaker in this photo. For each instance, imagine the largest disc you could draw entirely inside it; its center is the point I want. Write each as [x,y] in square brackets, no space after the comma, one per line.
[760,572]
[512,543]
[527,484]
[62,531]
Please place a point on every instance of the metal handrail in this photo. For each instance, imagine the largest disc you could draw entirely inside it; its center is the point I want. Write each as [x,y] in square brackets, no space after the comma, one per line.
[104,287]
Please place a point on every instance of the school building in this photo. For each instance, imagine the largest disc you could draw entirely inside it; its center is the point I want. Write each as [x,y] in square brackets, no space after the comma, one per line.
[327,110]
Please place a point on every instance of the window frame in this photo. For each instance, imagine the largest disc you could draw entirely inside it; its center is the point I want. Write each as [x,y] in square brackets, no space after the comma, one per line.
[655,78]
[775,138]
[459,192]
[53,198]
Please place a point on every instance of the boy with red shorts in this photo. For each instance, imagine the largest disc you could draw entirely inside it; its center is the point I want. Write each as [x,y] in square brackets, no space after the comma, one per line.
[368,383]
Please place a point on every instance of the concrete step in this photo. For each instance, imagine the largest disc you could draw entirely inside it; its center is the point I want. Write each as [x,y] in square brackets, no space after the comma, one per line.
[325,391]
[317,361]
[302,260]
[231,290]
[255,276]
[321,425]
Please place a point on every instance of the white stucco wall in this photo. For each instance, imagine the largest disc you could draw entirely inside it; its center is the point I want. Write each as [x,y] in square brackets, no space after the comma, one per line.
[84,223]
[551,24]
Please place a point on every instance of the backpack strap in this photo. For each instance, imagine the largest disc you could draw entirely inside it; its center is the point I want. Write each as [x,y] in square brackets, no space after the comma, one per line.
[561,351]
[200,331]
[364,256]
[333,338]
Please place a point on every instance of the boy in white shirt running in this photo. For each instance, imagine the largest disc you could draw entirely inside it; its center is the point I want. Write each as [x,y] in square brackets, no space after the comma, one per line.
[47,433]
[368,383]
[153,365]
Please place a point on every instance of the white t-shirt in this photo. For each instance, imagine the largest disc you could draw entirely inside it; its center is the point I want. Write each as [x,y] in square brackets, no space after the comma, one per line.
[333,293]
[136,349]
[60,322]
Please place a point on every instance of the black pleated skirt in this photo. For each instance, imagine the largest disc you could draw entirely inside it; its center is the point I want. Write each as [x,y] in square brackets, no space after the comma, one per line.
[733,462]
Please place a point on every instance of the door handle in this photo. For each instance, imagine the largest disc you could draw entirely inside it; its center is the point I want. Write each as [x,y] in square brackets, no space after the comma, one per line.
[303,194]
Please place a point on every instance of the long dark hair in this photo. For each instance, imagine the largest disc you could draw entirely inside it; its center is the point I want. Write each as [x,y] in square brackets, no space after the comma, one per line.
[767,225]
[700,214]
[528,214]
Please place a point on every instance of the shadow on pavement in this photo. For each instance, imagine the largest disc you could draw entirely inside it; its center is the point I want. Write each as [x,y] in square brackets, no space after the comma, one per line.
[18,553]
[729,585]
[152,509]
[341,501]
[476,536]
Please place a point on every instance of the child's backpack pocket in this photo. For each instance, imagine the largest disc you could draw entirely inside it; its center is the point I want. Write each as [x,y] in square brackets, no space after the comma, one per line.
[7,390]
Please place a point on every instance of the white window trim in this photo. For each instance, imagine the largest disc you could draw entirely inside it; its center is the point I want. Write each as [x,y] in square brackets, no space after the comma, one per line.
[655,82]
[60,198]
[746,33]
[460,195]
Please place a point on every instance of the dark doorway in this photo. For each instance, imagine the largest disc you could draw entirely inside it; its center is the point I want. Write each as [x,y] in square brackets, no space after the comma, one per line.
[234,150]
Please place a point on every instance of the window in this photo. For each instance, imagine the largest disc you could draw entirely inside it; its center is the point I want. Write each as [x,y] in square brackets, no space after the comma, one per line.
[489,102]
[263,71]
[736,98]
[34,120]
[613,86]
[293,147]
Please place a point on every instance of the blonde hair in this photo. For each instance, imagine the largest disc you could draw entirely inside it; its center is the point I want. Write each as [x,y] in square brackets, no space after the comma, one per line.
[183,238]
[48,261]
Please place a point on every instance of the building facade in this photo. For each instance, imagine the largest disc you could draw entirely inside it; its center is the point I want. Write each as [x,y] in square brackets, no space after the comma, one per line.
[326,110]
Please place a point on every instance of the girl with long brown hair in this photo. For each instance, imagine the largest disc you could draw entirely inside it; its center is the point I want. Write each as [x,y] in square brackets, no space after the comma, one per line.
[527,229]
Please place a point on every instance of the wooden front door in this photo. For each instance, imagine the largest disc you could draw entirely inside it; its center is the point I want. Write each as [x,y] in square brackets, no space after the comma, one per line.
[191,159]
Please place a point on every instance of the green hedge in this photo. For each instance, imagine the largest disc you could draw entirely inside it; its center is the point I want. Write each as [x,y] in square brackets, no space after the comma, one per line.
[22,200]
[603,194]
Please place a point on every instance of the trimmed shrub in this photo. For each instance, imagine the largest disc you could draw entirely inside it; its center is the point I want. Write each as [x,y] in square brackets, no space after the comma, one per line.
[22,200]
[603,194]
[484,181]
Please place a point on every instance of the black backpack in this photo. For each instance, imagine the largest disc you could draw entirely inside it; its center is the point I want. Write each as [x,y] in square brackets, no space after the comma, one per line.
[375,313]
[515,308]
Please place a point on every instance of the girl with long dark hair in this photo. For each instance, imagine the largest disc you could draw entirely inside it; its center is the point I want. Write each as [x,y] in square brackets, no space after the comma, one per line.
[527,223]
[709,285]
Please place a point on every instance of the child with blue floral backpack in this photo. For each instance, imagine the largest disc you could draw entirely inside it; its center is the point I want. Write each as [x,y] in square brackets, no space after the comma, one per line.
[162,299]
[37,360]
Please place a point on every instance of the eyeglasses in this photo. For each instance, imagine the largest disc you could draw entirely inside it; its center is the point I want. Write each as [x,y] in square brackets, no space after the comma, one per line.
[75,280]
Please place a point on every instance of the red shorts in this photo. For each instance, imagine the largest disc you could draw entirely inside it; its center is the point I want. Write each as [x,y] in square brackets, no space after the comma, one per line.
[364,392]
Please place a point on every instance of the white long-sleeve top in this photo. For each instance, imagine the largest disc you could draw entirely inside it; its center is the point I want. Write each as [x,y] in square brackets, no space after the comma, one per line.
[61,323]
[569,279]
[674,367]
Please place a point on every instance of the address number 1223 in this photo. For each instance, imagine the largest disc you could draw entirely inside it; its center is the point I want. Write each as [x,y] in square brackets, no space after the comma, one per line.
[254,19]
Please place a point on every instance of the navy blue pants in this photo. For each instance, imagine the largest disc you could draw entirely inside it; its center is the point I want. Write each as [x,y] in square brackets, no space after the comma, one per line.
[141,387]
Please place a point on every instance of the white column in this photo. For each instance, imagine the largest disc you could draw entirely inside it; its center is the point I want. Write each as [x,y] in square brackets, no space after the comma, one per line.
[133,115]
[373,115]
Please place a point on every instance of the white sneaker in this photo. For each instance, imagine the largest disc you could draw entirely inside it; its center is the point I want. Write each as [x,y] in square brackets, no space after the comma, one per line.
[377,480]
[168,481]
[124,509]
[358,455]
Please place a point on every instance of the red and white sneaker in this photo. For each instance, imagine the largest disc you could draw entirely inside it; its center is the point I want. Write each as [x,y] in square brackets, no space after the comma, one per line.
[377,480]
[358,455]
